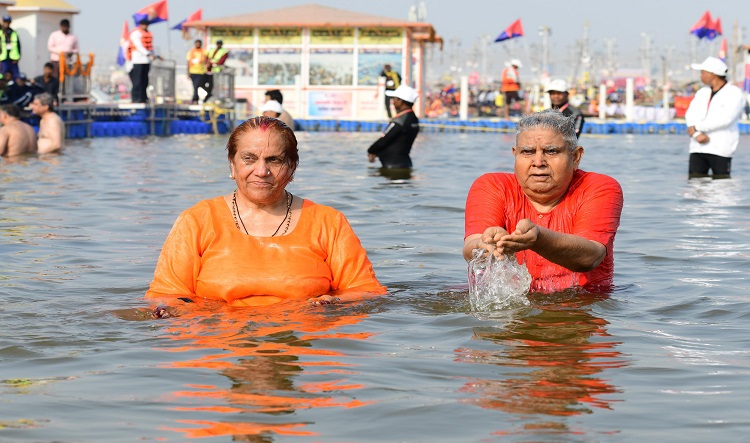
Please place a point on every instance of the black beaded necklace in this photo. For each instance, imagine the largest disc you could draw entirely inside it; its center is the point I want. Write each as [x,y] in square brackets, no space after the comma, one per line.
[287,217]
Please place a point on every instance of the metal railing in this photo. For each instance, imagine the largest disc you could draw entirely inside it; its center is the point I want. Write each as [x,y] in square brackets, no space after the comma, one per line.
[161,81]
[75,81]
[223,88]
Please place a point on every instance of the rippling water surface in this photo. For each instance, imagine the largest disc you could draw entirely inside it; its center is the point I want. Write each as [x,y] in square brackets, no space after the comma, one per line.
[665,357]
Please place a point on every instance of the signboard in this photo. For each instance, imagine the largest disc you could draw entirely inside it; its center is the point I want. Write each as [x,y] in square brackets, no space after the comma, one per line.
[280,36]
[370,107]
[278,66]
[332,36]
[242,62]
[371,63]
[233,36]
[381,36]
[329,104]
[331,66]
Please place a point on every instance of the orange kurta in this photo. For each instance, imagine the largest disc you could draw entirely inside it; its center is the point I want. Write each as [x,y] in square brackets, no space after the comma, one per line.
[206,256]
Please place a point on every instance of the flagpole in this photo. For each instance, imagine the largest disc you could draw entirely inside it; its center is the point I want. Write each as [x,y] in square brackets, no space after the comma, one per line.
[169,41]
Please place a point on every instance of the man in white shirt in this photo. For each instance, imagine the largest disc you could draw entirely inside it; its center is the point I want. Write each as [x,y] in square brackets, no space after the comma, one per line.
[140,53]
[712,119]
[63,41]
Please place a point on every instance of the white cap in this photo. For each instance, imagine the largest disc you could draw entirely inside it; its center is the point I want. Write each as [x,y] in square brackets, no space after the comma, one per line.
[516,62]
[405,93]
[712,65]
[557,84]
[272,105]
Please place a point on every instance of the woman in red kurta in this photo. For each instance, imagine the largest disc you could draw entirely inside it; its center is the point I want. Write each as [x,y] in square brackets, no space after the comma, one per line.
[558,220]
[260,244]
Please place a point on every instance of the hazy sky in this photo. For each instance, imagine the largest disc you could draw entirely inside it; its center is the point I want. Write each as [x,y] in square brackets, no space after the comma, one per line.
[667,22]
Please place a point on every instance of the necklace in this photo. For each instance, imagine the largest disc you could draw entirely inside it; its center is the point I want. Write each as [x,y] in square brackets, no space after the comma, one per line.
[287,218]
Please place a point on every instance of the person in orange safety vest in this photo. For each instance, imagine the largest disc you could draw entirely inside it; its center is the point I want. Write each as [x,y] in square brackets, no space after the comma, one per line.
[140,53]
[510,84]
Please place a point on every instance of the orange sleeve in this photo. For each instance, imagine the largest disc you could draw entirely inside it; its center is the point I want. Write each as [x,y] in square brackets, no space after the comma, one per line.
[350,267]
[179,261]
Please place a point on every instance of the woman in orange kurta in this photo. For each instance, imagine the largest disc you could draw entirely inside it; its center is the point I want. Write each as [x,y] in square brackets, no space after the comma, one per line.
[260,244]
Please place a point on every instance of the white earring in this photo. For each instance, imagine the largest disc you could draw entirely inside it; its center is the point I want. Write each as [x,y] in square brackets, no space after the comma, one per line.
[231,176]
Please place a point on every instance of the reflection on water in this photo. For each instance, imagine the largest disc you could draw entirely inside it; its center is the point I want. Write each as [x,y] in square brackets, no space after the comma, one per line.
[714,192]
[261,355]
[395,173]
[549,360]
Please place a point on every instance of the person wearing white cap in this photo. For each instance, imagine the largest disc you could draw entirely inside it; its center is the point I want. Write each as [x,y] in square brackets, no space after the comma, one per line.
[275,94]
[510,84]
[394,146]
[271,108]
[558,96]
[712,118]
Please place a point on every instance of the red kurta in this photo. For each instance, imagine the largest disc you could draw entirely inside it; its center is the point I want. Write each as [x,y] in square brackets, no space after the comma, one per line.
[590,209]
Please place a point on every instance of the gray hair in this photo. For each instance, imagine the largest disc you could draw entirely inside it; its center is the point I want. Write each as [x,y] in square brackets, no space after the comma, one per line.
[551,119]
[46,99]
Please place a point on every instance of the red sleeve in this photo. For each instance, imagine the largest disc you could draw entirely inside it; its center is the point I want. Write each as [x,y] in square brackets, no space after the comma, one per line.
[598,214]
[485,204]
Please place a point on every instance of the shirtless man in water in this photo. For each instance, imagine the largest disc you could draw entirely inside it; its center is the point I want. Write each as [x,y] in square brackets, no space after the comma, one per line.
[51,126]
[16,137]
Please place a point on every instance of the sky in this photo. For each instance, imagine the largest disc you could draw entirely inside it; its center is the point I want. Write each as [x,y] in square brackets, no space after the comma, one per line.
[617,30]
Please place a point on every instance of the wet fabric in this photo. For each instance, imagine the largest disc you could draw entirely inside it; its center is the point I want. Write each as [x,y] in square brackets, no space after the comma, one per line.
[206,256]
[590,209]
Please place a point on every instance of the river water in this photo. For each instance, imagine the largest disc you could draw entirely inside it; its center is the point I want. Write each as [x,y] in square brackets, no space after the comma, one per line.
[664,357]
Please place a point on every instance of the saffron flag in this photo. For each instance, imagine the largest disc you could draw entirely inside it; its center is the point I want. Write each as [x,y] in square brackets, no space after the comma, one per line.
[706,27]
[154,13]
[514,30]
[723,50]
[124,43]
[194,17]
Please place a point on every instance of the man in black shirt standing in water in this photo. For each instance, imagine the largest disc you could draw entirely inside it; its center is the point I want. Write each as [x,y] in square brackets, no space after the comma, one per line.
[394,145]
[558,95]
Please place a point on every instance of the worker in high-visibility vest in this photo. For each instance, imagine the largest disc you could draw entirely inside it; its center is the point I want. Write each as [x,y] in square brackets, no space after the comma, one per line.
[216,59]
[196,64]
[392,82]
[10,49]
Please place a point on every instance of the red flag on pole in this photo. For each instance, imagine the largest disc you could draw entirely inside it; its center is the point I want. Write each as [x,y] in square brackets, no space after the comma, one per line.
[124,42]
[706,27]
[723,50]
[154,13]
[194,17]
[514,30]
